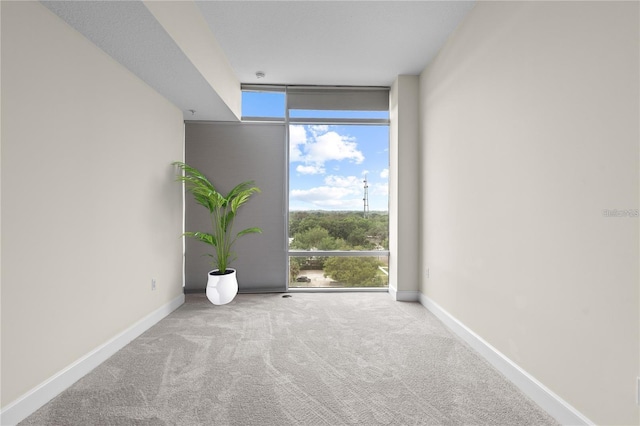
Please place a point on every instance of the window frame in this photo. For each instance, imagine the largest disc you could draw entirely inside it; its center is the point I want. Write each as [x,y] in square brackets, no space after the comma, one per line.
[288,121]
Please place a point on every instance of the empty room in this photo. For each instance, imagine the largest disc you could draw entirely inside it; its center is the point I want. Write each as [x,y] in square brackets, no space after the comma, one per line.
[320,212]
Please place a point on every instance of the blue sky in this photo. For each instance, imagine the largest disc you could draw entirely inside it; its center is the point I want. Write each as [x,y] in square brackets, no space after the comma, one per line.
[328,163]
[327,166]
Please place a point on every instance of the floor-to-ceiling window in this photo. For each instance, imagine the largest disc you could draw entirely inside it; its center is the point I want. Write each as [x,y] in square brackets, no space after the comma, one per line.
[338,223]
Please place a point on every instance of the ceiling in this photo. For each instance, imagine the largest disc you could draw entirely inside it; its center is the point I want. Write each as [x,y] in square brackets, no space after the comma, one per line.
[359,43]
[331,42]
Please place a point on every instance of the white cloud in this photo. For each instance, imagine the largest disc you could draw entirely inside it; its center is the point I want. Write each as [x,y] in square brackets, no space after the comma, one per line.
[384,174]
[319,128]
[339,192]
[314,149]
[343,181]
[313,169]
[325,192]
[332,146]
[297,142]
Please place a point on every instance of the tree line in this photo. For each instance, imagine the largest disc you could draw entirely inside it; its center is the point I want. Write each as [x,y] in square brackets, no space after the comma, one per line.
[338,230]
[321,230]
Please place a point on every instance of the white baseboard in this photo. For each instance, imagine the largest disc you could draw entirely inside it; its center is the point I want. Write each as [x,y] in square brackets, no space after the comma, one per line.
[540,394]
[47,390]
[403,295]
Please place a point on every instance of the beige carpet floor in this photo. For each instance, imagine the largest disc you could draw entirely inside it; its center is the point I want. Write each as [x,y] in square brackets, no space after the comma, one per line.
[311,359]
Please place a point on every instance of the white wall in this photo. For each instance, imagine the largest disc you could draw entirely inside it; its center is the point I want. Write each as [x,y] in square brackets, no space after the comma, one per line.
[529,130]
[90,209]
[404,191]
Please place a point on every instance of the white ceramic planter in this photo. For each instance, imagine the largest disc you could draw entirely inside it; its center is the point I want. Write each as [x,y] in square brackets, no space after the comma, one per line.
[221,289]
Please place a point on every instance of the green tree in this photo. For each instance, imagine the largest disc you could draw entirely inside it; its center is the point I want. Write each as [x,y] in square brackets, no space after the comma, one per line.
[314,238]
[358,238]
[385,243]
[346,230]
[294,267]
[354,271]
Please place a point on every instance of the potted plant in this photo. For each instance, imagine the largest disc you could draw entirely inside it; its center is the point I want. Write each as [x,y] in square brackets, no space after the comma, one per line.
[222,284]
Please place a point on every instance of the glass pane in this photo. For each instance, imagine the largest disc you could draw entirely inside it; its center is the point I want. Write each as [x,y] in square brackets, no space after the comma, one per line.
[338,272]
[263,104]
[304,113]
[339,168]
[338,201]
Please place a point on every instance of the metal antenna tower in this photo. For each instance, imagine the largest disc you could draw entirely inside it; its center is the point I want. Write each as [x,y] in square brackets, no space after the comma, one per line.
[366,197]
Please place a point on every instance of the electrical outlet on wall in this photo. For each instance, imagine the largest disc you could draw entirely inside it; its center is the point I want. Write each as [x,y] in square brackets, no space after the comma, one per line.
[638,390]
[427,273]
[153,284]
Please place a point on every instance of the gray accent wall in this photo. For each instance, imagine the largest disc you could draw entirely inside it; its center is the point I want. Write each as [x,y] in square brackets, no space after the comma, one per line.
[230,153]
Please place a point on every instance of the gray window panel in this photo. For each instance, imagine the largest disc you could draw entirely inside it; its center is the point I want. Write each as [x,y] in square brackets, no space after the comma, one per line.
[343,99]
[229,153]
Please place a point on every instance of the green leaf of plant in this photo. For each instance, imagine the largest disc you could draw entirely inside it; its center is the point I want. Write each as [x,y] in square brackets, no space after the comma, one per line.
[203,237]
[222,211]
[250,231]
[228,218]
